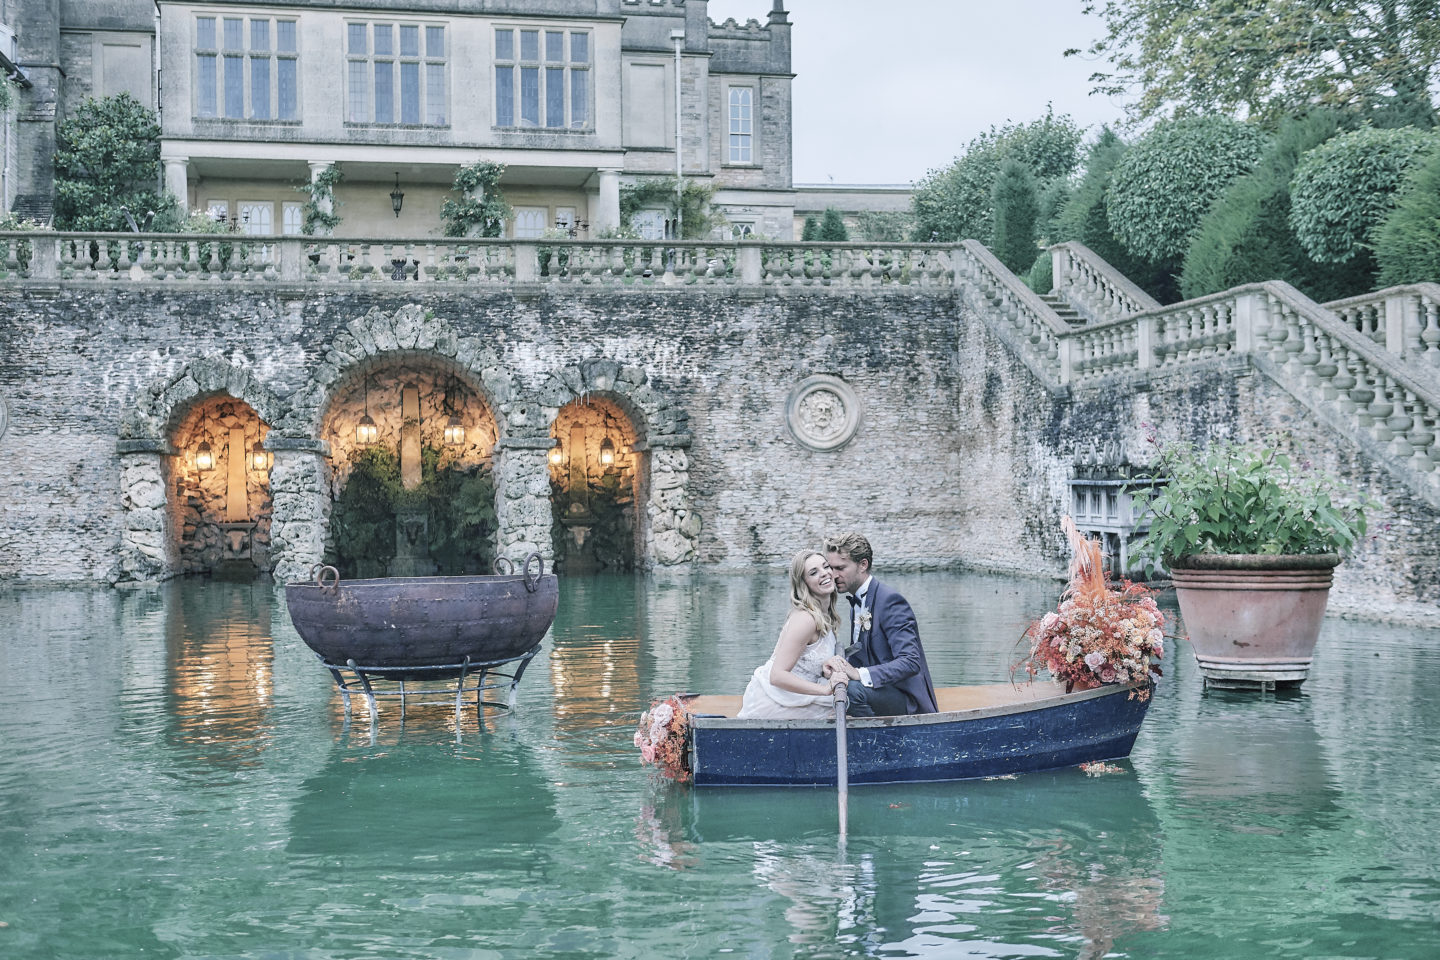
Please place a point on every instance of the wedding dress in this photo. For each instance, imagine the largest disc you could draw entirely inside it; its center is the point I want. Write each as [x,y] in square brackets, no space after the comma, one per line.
[764,699]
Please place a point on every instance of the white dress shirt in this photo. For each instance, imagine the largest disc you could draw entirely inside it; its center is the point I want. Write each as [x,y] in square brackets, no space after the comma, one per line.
[855,627]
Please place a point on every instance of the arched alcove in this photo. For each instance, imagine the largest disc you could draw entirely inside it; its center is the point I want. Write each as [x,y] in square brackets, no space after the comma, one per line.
[595,486]
[410,486]
[219,503]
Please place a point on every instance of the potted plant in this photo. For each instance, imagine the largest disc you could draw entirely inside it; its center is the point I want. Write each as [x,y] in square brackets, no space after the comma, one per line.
[1251,539]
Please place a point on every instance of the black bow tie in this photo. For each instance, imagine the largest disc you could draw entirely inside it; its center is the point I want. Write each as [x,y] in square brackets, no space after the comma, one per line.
[854,600]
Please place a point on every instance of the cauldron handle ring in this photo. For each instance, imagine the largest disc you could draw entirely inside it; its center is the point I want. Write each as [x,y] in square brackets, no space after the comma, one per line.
[320,569]
[505,562]
[530,583]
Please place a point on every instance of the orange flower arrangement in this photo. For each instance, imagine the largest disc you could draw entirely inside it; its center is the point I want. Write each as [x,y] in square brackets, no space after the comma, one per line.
[1100,633]
[663,737]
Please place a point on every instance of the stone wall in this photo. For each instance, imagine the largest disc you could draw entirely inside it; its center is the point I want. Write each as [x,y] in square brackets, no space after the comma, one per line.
[761,421]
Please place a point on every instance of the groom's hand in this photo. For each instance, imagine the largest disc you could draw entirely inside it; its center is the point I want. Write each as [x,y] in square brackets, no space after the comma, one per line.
[841,666]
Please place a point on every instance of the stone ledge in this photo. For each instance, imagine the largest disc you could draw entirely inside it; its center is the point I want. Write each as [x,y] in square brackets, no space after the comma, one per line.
[663,443]
[525,443]
[298,444]
[126,447]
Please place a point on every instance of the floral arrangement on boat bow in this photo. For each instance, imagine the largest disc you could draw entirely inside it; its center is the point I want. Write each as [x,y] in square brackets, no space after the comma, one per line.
[1101,632]
[663,737]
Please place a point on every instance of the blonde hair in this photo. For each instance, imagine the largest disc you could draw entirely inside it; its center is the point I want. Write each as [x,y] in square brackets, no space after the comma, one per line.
[801,597]
[852,546]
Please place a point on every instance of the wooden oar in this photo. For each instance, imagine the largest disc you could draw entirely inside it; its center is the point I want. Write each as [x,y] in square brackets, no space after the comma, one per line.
[842,763]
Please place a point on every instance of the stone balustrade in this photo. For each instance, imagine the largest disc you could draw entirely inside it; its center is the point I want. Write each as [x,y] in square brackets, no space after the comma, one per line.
[1404,320]
[1025,321]
[231,257]
[1095,289]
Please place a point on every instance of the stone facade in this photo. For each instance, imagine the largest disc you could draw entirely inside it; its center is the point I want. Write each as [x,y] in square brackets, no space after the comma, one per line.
[954,444]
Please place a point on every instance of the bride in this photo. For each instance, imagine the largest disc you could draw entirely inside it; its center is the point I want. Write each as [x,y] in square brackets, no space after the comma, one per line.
[790,684]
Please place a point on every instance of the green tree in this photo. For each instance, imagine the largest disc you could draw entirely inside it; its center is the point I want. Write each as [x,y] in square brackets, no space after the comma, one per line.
[811,231]
[1163,185]
[1344,188]
[1017,208]
[1245,236]
[1083,216]
[108,157]
[1267,58]
[832,227]
[1407,245]
[480,210]
[955,203]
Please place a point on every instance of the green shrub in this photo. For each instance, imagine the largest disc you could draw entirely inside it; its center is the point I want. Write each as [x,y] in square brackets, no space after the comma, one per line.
[1083,218]
[1041,275]
[479,208]
[811,231]
[1407,245]
[954,203]
[108,157]
[1343,189]
[1245,236]
[832,227]
[1163,185]
[1017,208]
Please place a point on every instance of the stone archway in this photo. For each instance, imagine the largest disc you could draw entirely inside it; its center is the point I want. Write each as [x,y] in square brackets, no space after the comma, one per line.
[303,474]
[668,528]
[149,539]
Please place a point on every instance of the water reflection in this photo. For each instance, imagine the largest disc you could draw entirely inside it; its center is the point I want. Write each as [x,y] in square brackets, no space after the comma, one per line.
[219,664]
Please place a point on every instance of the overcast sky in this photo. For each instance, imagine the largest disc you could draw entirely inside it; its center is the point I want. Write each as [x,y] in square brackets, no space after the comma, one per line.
[886,90]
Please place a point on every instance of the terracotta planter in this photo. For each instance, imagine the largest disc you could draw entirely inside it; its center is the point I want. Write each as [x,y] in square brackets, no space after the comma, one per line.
[1254,619]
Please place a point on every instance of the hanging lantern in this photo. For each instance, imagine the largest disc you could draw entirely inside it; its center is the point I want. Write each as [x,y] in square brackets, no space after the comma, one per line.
[556,455]
[454,432]
[607,452]
[366,432]
[205,457]
[260,458]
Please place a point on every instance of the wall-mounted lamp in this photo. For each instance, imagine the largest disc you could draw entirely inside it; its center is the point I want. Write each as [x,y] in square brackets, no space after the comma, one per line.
[205,457]
[260,458]
[366,432]
[607,452]
[454,429]
[397,196]
[556,455]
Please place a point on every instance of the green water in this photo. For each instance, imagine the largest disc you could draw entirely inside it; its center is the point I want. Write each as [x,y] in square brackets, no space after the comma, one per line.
[177,780]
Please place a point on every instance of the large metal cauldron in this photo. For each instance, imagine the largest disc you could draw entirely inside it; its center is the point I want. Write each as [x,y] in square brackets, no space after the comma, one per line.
[424,622]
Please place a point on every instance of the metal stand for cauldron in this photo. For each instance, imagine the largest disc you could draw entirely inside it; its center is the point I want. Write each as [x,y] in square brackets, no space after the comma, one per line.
[483,673]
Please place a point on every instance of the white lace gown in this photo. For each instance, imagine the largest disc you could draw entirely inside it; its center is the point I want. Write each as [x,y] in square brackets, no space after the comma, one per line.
[764,699]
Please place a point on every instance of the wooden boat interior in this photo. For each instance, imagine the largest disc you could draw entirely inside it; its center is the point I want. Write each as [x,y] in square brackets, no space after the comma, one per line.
[950,699]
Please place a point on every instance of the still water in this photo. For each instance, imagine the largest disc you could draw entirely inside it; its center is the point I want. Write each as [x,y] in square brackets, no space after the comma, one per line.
[177,780]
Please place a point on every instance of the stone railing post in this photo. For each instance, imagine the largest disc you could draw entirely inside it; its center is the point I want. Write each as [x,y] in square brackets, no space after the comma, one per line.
[1395,317]
[45,262]
[522,498]
[146,553]
[1067,361]
[1247,323]
[1145,342]
[527,263]
[751,269]
[300,506]
[1059,268]
[289,249]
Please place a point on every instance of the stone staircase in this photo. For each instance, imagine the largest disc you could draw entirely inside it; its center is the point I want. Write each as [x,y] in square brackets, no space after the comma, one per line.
[1063,309]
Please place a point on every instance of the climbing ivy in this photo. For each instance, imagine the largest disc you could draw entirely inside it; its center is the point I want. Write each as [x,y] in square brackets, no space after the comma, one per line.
[320,202]
[481,210]
[698,218]
[459,502]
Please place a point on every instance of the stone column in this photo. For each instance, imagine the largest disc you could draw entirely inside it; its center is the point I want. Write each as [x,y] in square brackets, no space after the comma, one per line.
[673,527]
[300,506]
[177,182]
[522,498]
[606,216]
[326,206]
[146,554]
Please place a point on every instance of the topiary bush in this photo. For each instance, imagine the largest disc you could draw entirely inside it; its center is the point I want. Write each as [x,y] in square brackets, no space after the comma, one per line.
[1343,189]
[1407,244]
[1017,208]
[1245,236]
[1163,185]
[832,227]
[1041,275]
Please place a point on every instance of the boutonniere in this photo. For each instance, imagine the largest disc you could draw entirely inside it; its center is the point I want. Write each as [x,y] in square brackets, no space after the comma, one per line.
[864,620]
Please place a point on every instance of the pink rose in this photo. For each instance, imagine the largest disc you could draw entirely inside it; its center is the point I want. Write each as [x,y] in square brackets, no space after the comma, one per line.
[1108,675]
[647,753]
[1095,660]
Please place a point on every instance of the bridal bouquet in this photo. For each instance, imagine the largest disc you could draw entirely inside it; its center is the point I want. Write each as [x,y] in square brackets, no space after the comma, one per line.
[663,737]
[1101,633]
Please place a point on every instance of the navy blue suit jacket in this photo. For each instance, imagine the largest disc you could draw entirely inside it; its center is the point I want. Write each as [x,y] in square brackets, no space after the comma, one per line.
[891,649]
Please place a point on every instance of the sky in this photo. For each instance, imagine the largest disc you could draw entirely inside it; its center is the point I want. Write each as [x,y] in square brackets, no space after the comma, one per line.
[886,91]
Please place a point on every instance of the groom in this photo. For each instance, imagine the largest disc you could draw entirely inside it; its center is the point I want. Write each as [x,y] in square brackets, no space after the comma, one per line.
[885,663]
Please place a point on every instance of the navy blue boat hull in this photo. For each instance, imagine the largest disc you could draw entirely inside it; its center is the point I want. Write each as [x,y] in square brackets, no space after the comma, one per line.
[1043,734]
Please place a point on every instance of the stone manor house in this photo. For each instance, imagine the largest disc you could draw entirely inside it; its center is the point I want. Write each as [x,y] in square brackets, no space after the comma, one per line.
[575,97]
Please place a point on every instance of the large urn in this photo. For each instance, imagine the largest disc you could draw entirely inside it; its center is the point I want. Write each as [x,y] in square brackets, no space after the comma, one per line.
[1254,619]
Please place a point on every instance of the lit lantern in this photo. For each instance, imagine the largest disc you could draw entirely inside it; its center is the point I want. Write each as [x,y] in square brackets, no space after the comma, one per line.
[454,432]
[607,452]
[366,432]
[260,458]
[205,457]
[556,455]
